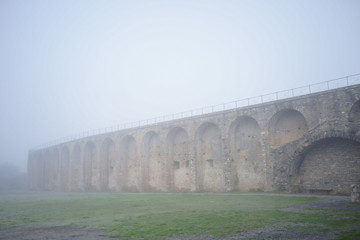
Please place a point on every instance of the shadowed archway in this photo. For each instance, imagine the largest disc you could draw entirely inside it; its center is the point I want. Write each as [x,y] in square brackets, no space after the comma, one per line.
[286,126]
[329,165]
[152,162]
[178,160]
[247,155]
[209,162]
[90,167]
[108,167]
[131,163]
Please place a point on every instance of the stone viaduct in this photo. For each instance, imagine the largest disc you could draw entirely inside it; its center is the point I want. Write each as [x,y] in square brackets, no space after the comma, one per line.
[309,143]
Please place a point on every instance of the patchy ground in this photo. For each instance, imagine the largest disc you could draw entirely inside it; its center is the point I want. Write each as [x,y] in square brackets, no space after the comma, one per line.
[51,233]
[327,202]
[72,232]
[267,234]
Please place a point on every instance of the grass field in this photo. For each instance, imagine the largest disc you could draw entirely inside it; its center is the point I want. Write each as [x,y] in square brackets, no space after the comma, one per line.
[161,215]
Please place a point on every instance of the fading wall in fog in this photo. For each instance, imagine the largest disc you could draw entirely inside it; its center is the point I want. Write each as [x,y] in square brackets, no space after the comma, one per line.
[303,144]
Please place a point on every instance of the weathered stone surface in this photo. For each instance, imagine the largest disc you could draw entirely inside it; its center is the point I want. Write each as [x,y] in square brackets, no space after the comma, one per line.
[355,193]
[309,143]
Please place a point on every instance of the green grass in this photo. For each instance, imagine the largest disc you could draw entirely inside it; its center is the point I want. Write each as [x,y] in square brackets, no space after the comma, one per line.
[353,234]
[160,215]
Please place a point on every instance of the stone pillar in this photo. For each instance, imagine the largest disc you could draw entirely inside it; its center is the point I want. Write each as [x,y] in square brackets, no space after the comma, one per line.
[355,193]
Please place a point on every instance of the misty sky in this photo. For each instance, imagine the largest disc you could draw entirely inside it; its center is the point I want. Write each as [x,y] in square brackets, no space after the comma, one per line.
[70,66]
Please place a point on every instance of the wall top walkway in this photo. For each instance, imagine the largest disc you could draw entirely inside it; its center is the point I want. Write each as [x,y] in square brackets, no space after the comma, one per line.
[294,92]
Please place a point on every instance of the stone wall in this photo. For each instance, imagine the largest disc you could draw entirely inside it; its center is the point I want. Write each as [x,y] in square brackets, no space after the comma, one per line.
[303,144]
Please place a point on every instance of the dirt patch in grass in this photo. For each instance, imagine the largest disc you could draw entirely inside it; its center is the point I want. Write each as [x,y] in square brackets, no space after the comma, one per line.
[53,233]
[268,233]
[329,202]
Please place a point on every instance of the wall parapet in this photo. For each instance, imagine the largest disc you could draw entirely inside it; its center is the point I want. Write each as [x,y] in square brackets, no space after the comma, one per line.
[246,102]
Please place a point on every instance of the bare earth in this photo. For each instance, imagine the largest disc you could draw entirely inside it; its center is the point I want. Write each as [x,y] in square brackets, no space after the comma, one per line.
[51,233]
[71,232]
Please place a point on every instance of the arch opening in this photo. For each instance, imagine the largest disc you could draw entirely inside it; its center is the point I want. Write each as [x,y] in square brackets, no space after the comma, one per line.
[46,170]
[90,168]
[330,165]
[76,169]
[286,126]
[65,169]
[247,154]
[108,166]
[354,115]
[178,160]
[152,172]
[210,176]
[54,170]
[128,155]
[43,170]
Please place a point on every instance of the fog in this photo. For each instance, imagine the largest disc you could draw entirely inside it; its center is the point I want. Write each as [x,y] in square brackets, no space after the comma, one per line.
[11,177]
[72,66]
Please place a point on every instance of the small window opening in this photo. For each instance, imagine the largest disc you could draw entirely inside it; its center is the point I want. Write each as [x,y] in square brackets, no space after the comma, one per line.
[176,165]
[210,162]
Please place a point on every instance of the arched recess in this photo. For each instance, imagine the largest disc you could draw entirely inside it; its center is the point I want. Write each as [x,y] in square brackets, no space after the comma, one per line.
[209,164]
[77,169]
[55,170]
[129,158]
[247,154]
[286,126]
[65,169]
[32,170]
[354,115]
[152,162]
[46,171]
[328,165]
[108,166]
[90,167]
[178,160]
[40,172]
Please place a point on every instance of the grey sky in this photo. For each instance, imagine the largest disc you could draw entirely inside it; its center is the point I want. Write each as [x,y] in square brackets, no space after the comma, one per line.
[71,66]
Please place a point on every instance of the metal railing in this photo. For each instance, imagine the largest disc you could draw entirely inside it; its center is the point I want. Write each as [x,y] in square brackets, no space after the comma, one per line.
[294,92]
